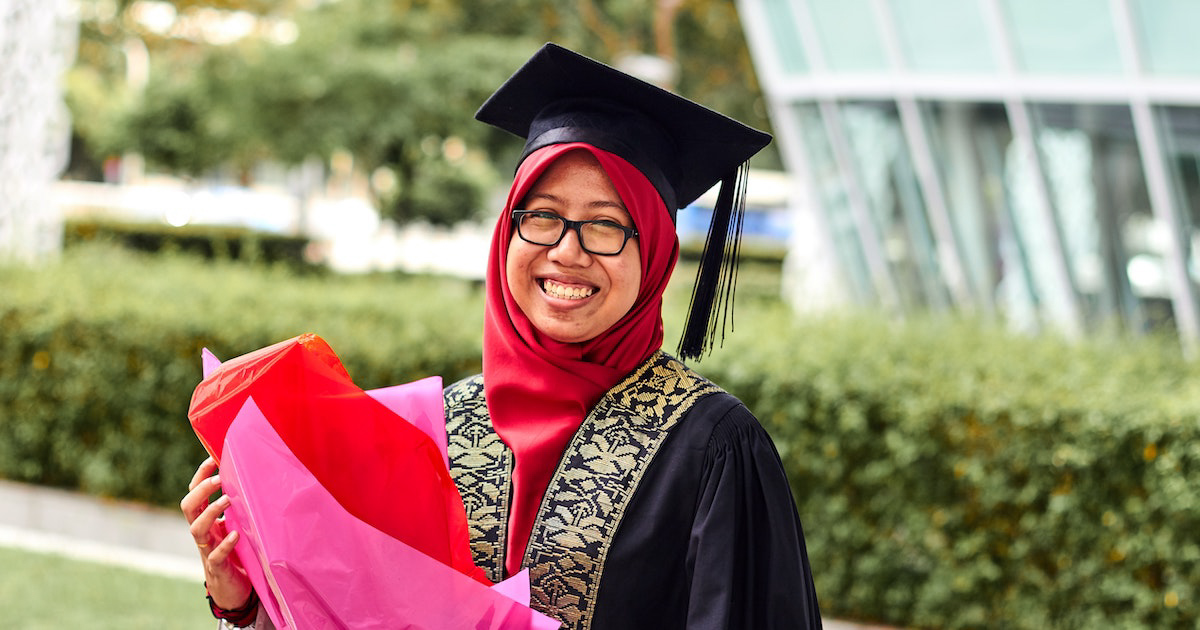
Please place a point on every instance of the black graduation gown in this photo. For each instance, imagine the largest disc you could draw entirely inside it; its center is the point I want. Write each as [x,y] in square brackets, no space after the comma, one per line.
[708,538]
[711,538]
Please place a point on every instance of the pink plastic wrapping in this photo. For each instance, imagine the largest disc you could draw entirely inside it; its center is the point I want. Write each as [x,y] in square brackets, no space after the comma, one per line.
[380,468]
[315,565]
[374,536]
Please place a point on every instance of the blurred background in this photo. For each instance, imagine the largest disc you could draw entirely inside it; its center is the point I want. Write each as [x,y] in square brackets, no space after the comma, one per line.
[349,124]
[968,309]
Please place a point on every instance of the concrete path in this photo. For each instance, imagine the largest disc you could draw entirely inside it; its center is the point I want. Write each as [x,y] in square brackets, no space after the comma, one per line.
[112,532]
[121,533]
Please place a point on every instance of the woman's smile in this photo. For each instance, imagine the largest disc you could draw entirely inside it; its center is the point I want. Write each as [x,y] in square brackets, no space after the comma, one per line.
[564,291]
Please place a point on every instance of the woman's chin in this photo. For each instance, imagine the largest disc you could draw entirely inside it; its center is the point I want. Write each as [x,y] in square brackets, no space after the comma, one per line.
[563,332]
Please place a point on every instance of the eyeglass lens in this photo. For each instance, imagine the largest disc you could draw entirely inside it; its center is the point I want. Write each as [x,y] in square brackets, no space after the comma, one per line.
[599,237]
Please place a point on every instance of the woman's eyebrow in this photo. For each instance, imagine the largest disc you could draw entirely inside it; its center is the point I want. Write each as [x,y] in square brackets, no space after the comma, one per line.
[598,203]
[603,203]
[542,196]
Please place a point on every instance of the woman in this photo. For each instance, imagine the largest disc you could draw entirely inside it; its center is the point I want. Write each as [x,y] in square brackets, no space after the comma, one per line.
[637,493]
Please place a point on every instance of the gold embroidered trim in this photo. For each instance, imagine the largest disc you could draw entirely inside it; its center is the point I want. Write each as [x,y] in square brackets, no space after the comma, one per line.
[595,480]
[481,466]
[589,492]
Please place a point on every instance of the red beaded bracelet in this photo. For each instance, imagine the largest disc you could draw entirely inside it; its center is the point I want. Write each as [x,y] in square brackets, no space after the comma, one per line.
[239,617]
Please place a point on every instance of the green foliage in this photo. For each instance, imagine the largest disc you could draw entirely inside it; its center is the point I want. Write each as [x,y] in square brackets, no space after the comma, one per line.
[393,105]
[87,91]
[170,130]
[949,474]
[382,80]
[223,242]
[953,475]
[100,354]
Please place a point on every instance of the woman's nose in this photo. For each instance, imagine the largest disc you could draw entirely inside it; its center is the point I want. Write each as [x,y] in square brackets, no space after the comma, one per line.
[568,251]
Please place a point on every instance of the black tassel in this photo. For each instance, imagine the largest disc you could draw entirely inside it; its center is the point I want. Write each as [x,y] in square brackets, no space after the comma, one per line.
[716,278]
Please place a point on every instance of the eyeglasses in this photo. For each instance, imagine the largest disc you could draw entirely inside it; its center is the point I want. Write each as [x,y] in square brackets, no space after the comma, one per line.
[600,236]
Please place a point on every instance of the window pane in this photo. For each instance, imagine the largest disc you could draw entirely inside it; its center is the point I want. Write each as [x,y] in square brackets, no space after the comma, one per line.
[884,170]
[943,36]
[1063,36]
[1166,32]
[1182,133]
[830,189]
[849,35]
[782,23]
[1094,170]
[968,144]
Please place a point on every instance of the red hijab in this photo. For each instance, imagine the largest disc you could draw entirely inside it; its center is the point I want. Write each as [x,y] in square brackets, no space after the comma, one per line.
[539,390]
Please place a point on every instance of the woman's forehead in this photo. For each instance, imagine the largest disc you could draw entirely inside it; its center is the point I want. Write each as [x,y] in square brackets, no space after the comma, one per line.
[576,177]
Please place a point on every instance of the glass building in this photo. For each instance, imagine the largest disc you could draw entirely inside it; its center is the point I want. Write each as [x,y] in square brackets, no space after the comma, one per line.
[1035,159]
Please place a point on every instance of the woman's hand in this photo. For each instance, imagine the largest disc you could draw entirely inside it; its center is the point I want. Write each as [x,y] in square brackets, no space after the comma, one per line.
[227,582]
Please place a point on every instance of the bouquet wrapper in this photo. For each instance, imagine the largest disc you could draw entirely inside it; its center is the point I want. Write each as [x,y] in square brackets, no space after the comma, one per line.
[418,402]
[348,516]
[315,565]
[380,468]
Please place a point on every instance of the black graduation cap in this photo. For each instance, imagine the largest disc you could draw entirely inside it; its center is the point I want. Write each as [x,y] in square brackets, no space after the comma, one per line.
[682,147]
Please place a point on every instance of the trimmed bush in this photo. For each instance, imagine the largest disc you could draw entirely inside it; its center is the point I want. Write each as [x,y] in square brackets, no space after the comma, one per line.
[100,354]
[952,475]
[209,241]
[949,474]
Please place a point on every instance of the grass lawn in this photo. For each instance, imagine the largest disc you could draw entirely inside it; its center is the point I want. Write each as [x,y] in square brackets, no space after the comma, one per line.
[50,592]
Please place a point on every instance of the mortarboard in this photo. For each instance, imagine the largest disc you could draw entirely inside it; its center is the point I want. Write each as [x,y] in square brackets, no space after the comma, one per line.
[682,147]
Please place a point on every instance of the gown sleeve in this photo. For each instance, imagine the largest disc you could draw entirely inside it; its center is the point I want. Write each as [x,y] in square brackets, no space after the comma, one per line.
[747,560]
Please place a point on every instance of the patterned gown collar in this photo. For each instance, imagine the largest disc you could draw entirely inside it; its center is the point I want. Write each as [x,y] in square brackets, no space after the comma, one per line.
[587,497]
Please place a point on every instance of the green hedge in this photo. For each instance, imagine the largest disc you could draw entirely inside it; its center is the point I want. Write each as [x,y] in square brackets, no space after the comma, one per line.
[99,355]
[949,474]
[955,476]
[209,241]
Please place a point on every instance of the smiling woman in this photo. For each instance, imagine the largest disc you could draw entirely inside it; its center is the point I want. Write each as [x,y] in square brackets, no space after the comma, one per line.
[637,493]
[610,451]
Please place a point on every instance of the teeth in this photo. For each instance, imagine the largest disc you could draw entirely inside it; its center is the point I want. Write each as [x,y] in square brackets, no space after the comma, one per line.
[562,291]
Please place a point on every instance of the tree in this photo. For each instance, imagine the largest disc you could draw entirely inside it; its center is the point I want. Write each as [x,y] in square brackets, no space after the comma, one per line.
[118,39]
[369,81]
[704,39]
[396,84]
[192,124]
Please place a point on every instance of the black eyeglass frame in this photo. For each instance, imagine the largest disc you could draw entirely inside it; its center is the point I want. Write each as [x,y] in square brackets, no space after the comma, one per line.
[573,225]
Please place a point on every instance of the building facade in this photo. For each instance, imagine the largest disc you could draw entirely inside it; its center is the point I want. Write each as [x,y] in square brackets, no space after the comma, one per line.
[1038,160]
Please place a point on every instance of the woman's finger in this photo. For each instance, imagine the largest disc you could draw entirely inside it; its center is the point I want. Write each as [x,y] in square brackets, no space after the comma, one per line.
[202,527]
[220,553]
[206,469]
[196,500]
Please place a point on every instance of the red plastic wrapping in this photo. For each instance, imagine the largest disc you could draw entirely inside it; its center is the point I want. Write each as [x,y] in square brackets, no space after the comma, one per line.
[315,566]
[378,467]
